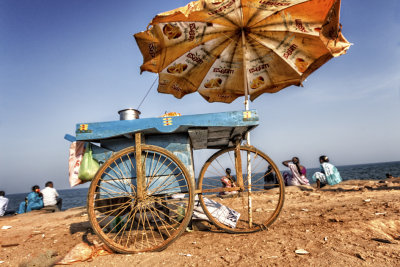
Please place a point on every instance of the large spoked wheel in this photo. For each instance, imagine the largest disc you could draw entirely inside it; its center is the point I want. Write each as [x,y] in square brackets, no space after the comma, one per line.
[129,219]
[257,201]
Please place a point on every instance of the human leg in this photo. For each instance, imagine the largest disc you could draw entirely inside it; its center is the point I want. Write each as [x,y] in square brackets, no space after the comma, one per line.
[320,178]
[59,203]
[287,176]
[22,208]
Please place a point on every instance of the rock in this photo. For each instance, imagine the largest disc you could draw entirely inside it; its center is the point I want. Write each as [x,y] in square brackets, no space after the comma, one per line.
[381,240]
[9,245]
[183,254]
[334,220]
[81,252]
[301,252]
[359,256]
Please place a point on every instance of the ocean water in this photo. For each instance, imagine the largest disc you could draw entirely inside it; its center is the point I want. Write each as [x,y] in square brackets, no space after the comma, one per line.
[375,171]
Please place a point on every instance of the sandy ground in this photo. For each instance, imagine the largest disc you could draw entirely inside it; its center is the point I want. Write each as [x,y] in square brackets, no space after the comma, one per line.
[356,223]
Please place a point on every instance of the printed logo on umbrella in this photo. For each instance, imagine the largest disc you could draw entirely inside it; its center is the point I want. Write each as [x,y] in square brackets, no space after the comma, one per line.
[171,31]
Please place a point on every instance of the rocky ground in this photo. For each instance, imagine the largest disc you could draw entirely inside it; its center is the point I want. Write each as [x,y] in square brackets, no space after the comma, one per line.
[355,223]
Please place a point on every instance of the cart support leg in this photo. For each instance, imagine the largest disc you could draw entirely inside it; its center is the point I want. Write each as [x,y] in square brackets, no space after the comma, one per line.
[238,167]
[250,198]
[140,184]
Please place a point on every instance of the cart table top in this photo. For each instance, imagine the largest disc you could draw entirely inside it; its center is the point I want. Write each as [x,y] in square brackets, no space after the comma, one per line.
[204,129]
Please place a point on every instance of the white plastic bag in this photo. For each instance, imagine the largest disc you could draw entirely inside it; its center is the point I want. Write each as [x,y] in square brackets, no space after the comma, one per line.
[222,213]
[76,152]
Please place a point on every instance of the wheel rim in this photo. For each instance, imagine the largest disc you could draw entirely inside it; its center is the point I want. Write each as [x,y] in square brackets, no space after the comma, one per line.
[128,224]
[267,197]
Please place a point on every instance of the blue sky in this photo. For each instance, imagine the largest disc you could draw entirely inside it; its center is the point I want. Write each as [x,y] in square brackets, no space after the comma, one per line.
[65,62]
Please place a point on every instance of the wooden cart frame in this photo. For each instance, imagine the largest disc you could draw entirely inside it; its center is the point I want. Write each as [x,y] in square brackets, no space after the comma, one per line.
[143,196]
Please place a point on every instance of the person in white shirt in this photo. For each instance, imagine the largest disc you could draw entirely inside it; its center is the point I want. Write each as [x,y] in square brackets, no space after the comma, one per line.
[51,197]
[3,203]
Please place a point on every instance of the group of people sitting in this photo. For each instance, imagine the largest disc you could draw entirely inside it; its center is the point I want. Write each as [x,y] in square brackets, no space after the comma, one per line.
[37,199]
[47,198]
[297,175]
[328,173]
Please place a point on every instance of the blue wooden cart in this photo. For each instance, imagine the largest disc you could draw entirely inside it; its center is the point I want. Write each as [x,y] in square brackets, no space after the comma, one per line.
[143,196]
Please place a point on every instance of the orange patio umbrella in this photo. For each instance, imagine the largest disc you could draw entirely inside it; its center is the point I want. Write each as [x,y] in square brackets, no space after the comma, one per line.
[225,49]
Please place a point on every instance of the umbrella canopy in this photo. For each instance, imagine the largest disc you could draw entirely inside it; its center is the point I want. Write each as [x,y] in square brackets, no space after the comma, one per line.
[225,49]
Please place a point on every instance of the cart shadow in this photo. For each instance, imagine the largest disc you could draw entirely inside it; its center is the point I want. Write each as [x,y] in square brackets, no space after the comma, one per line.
[86,229]
[81,227]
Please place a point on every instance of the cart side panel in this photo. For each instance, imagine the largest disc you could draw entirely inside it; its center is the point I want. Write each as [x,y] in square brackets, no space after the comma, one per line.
[178,144]
[117,144]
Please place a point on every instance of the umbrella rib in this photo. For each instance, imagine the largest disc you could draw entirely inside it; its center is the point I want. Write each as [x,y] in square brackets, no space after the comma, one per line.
[276,53]
[184,51]
[230,60]
[228,39]
[221,16]
[308,34]
[298,34]
[262,61]
[273,13]
[211,55]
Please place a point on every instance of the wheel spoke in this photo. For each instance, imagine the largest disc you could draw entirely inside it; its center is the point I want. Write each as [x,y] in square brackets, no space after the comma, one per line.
[261,215]
[127,224]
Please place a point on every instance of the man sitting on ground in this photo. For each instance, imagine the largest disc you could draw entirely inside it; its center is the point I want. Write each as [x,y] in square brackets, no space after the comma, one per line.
[3,203]
[51,198]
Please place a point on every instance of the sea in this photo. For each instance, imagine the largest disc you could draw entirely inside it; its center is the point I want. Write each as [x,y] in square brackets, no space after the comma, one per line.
[76,197]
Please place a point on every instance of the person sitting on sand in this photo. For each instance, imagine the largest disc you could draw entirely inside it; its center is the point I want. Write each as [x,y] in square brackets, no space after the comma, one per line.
[389,176]
[34,201]
[329,174]
[297,174]
[51,197]
[270,180]
[228,182]
[3,203]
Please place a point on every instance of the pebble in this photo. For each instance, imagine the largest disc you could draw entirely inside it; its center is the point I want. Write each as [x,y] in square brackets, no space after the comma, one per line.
[359,256]
[301,251]
[183,254]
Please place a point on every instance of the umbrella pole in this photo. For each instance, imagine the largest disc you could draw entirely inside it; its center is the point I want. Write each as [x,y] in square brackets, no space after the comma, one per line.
[246,106]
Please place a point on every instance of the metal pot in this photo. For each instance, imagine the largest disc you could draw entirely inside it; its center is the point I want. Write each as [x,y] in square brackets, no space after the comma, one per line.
[129,114]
